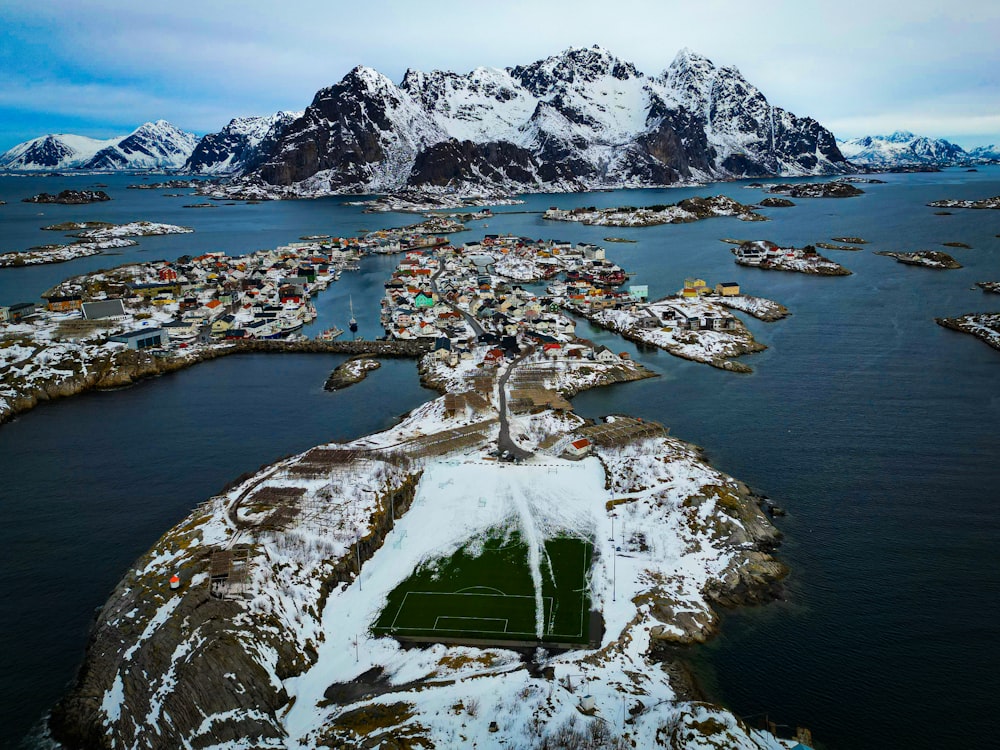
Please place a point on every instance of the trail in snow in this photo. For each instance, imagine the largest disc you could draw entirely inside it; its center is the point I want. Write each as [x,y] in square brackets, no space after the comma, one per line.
[532,536]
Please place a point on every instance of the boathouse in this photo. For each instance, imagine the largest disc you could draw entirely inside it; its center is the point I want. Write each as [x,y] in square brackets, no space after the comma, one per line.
[144,338]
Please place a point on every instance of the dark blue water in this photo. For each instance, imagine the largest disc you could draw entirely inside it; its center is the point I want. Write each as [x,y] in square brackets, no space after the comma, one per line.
[874,427]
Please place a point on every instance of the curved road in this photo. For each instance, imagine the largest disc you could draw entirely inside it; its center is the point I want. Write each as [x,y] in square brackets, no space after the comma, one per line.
[504,443]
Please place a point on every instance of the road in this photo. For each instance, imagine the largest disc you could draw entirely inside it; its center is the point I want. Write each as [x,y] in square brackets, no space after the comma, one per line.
[504,443]
[473,323]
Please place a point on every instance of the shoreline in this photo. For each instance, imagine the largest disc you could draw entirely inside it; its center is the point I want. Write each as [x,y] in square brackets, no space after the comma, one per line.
[746,573]
[128,368]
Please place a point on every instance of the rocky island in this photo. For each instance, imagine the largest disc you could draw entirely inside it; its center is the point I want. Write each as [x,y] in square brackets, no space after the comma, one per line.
[687,210]
[70,197]
[279,612]
[773,202]
[350,372]
[984,326]
[421,201]
[985,203]
[989,286]
[835,189]
[925,258]
[770,256]
[94,238]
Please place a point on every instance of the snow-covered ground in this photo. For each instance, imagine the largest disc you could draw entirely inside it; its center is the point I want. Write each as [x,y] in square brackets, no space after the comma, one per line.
[667,325]
[663,526]
[93,241]
[683,212]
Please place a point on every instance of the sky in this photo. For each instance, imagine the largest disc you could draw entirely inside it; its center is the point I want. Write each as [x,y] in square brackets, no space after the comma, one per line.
[103,67]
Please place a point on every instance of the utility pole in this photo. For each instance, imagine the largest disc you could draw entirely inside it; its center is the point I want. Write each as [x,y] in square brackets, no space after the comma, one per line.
[357,548]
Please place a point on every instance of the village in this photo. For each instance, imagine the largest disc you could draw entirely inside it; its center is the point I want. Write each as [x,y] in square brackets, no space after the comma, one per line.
[476,295]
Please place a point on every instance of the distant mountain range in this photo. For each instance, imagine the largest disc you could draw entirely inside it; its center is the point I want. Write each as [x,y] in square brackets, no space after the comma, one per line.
[155,145]
[583,119]
[904,149]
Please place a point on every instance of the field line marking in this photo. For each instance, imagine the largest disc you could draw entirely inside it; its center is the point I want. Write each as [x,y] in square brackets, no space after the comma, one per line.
[401,604]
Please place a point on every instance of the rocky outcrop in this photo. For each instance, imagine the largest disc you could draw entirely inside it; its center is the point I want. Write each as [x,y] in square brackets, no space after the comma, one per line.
[925,258]
[984,326]
[350,372]
[455,162]
[219,660]
[836,189]
[70,197]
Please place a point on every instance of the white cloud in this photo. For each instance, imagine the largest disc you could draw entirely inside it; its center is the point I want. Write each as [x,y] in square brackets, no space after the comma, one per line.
[846,64]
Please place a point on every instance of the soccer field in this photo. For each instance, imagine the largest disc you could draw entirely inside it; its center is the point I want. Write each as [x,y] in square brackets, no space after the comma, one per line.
[488,592]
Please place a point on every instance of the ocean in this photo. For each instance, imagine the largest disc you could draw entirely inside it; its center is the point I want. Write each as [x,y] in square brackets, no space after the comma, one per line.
[876,429]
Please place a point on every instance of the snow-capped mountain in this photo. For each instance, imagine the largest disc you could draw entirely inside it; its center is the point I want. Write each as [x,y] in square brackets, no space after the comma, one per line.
[901,149]
[154,145]
[240,146]
[151,146]
[580,119]
[985,154]
[57,151]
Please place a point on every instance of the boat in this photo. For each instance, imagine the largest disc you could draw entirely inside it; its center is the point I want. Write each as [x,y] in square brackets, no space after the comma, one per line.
[288,326]
[330,334]
[352,324]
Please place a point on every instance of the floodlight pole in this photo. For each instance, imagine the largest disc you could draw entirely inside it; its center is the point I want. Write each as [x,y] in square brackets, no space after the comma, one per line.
[614,575]
[357,548]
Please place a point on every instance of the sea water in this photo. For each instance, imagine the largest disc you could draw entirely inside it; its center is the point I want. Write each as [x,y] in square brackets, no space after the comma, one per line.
[873,427]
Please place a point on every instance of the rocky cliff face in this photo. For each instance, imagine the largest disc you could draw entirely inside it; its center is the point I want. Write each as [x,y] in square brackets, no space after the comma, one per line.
[579,120]
[240,146]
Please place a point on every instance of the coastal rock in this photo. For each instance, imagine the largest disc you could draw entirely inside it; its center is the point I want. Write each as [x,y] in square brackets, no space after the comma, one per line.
[350,372]
[776,203]
[70,197]
[984,203]
[984,326]
[835,189]
[925,258]
[989,286]
[687,210]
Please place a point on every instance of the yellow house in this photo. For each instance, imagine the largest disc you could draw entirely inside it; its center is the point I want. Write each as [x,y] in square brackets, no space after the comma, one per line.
[727,289]
[689,292]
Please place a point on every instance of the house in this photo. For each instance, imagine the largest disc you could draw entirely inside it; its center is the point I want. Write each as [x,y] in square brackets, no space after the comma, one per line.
[603,354]
[727,289]
[493,357]
[552,350]
[177,330]
[442,347]
[144,338]
[750,253]
[223,324]
[423,299]
[578,448]
[59,303]
[111,308]
[17,312]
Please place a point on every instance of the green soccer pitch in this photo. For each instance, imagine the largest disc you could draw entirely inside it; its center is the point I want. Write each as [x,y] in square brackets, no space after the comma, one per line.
[487,593]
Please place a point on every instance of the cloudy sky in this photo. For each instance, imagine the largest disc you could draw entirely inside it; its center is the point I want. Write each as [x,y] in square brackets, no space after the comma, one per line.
[102,67]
